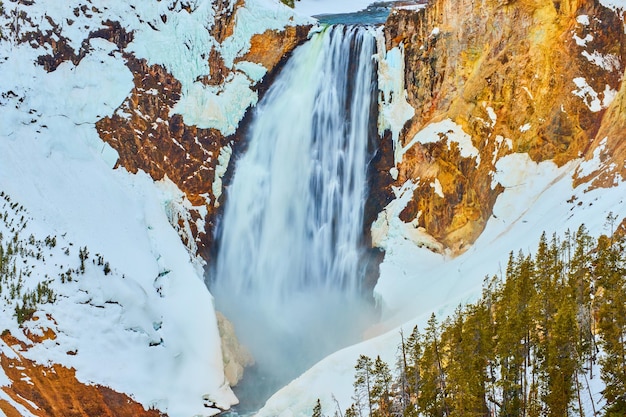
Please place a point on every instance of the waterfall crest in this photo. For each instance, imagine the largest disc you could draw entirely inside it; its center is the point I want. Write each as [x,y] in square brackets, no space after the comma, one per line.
[289,267]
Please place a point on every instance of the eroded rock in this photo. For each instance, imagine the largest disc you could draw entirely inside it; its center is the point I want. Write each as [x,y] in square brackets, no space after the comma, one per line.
[516,77]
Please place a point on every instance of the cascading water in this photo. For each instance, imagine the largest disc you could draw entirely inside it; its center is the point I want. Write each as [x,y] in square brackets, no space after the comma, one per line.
[290,261]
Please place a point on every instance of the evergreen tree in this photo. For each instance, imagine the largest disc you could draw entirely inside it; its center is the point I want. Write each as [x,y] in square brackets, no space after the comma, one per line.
[432,397]
[524,349]
[363,385]
[414,351]
[466,373]
[562,360]
[317,409]
[581,288]
[512,334]
[352,411]
[610,271]
[381,388]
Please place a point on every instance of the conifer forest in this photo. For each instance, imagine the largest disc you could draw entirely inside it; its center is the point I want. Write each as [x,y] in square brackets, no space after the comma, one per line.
[541,333]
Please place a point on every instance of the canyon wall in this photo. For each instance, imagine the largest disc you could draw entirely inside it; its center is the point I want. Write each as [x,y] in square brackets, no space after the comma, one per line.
[536,77]
[150,135]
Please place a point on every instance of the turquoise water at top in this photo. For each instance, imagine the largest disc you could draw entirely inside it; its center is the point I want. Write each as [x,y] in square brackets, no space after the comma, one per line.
[375,14]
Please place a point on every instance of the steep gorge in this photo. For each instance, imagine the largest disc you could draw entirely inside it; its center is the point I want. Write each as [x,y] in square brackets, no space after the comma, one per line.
[542,78]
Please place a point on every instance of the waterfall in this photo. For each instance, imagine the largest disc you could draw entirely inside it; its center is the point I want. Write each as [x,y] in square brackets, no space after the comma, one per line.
[290,260]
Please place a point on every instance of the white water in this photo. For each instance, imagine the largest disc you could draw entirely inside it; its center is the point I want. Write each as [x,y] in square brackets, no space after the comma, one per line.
[290,261]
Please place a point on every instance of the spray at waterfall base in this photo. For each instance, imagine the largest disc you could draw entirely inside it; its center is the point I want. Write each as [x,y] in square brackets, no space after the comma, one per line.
[292,253]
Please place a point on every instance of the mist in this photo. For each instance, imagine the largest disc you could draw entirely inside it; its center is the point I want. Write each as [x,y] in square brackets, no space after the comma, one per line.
[291,263]
[288,338]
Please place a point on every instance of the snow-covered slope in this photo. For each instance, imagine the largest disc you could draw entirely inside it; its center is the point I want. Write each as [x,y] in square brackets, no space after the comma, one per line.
[416,282]
[148,328]
[144,324]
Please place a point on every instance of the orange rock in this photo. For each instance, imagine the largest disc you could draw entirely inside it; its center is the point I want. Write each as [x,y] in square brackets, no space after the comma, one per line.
[272,46]
[54,391]
[148,138]
[517,61]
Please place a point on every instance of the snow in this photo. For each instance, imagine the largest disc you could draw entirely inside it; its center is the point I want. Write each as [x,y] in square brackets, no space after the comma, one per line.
[257,17]
[413,7]
[525,128]
[394,110]
[582,41]
[499,141]
[595,163]
[220,171]
[583,19]
[614,4]
[453,132]
[182,46]
[416,281]
[164,33]
[148,328]
[388,223]
[253,70]
[24,412]
[588,94]
[111,322]
[492,115]
[220,107]
[437,186]
[607,62]
[609,96]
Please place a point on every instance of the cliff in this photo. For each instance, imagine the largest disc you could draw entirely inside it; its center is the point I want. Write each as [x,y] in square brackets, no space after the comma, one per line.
[149,136]
[117,124]
[491,78]
[46,391]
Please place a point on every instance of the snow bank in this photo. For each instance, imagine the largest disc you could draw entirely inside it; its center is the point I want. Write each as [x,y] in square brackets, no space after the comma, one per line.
[614,4]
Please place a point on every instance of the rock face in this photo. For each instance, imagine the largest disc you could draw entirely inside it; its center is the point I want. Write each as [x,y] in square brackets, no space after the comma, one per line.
[54,391]
[543,78]
[145,130]
[236,356]
[149,136]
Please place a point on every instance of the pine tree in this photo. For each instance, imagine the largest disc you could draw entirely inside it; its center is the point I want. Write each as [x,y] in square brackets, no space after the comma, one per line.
[317,409]
[432,396]
[414,351]
[562,360]
[363,385]
[510,316]
[381,388]
[352,411]
[466,376]
[581,287]
[610,271]
[519,351]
